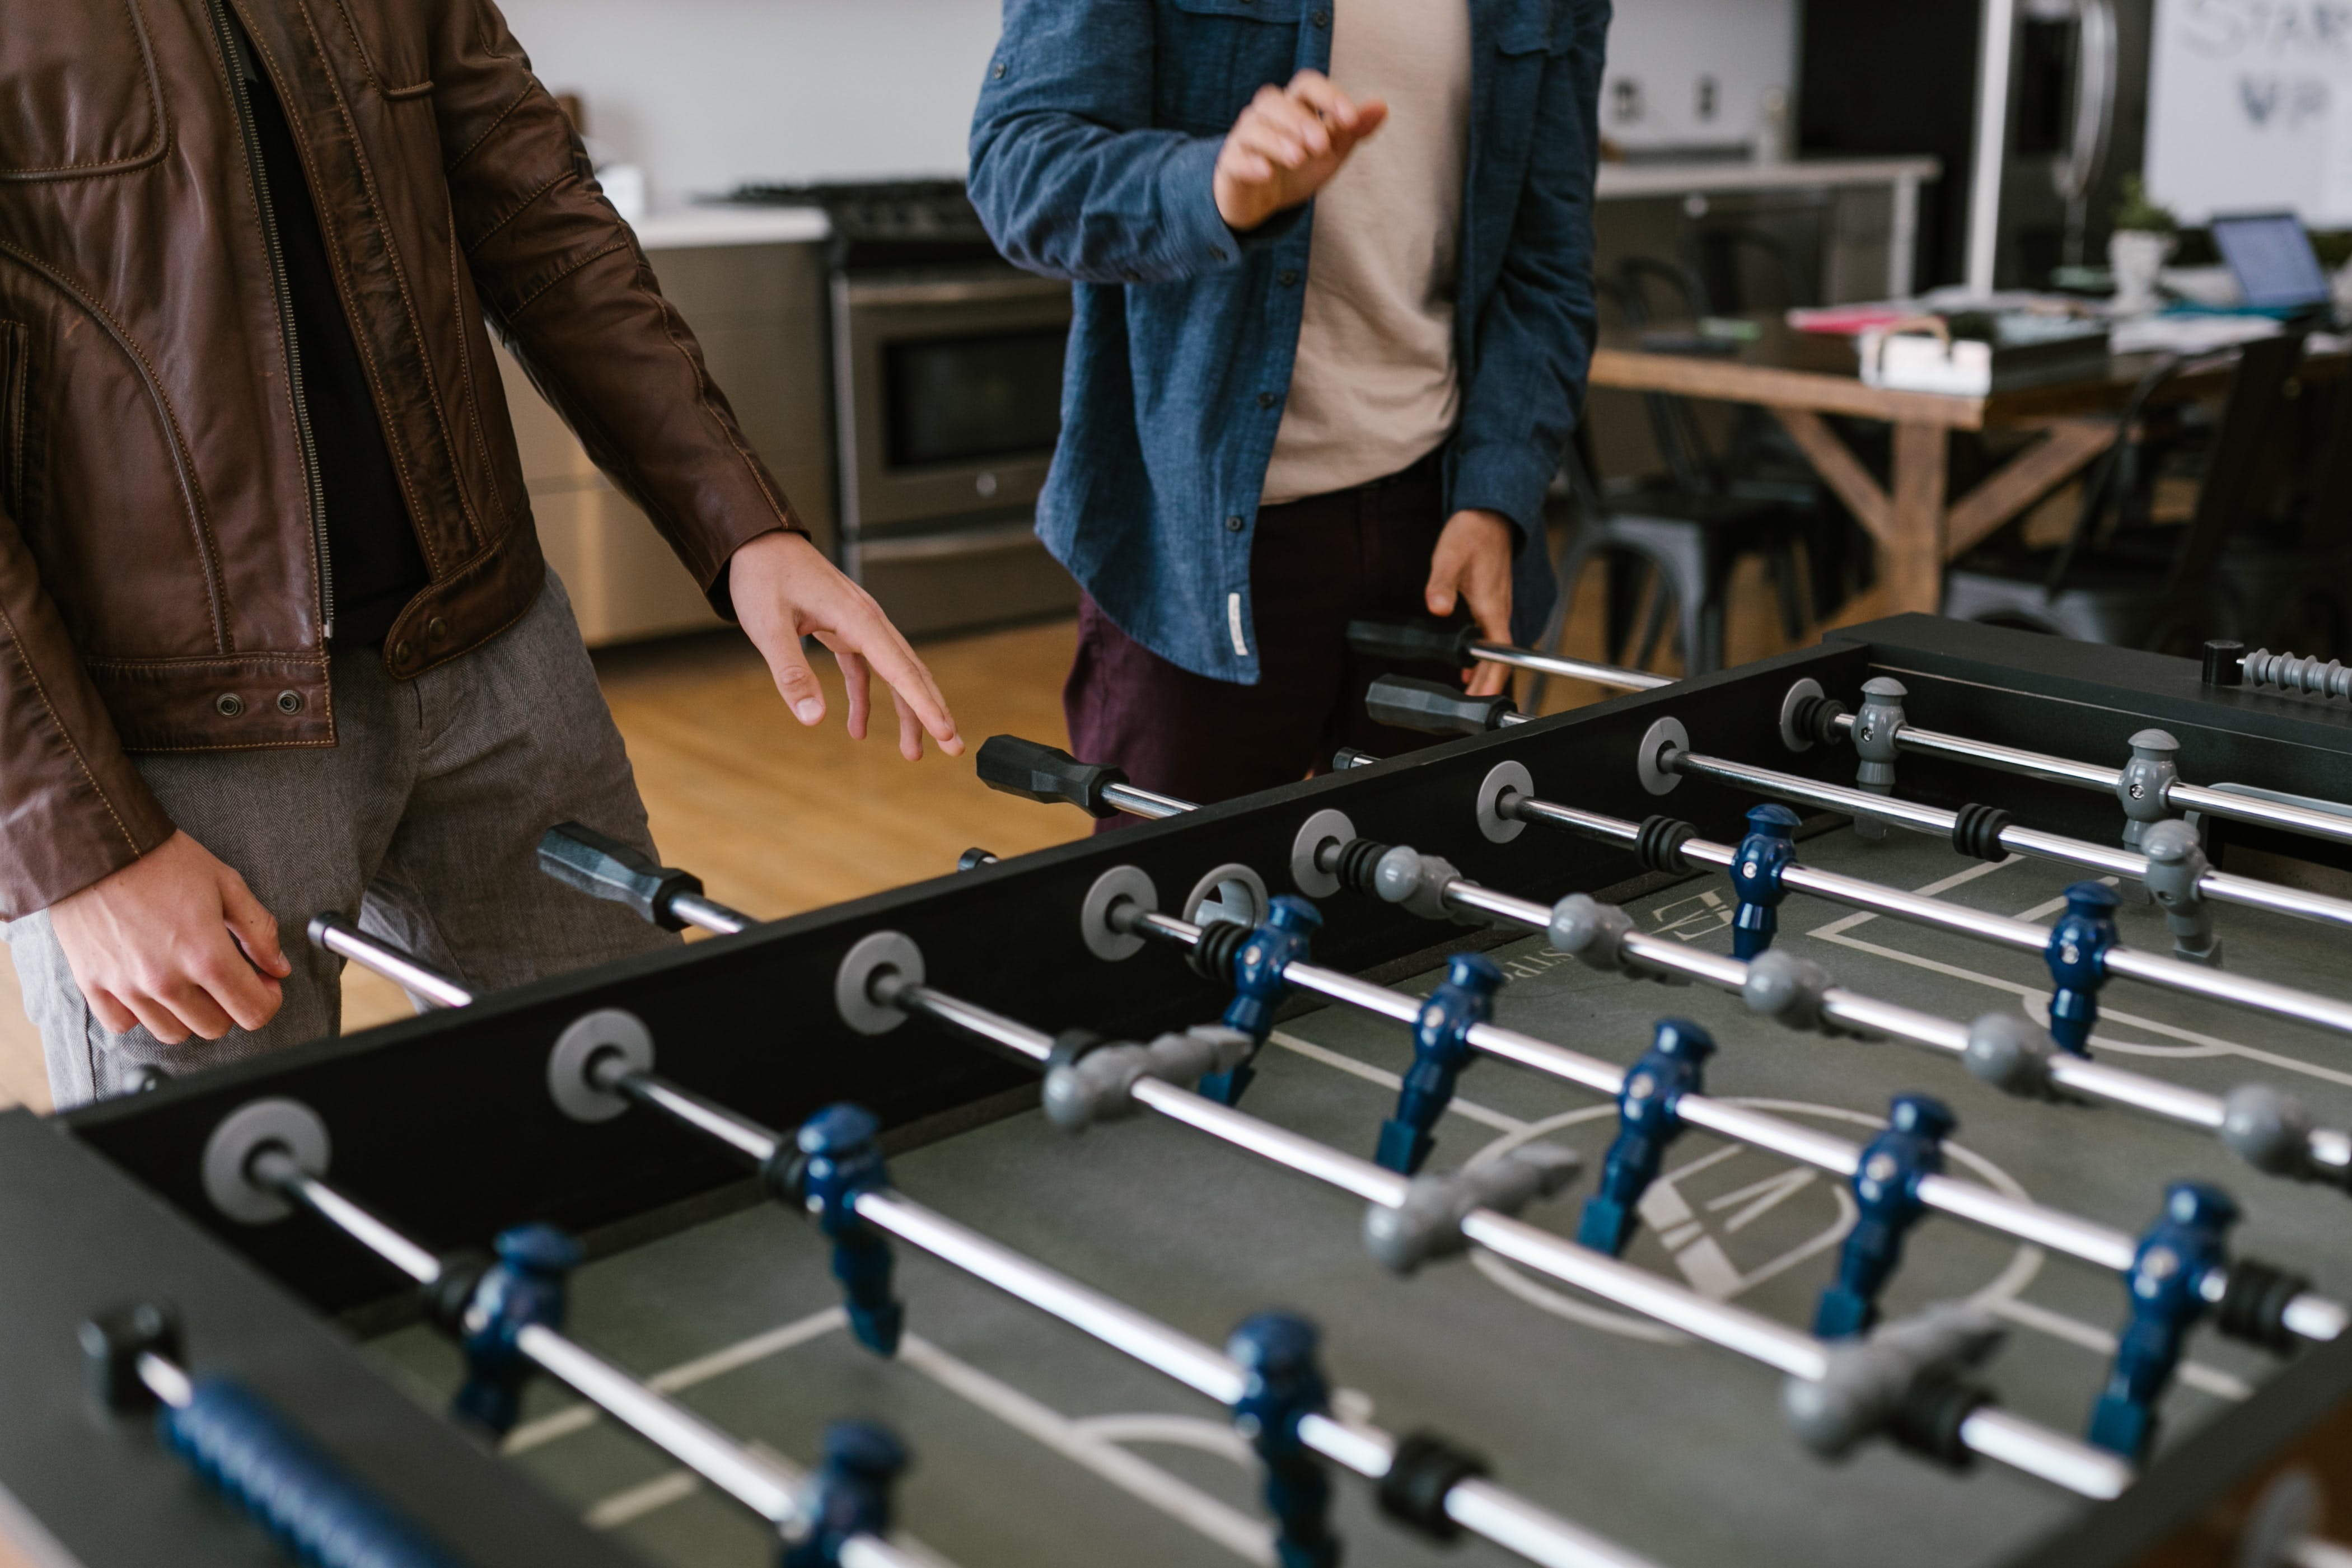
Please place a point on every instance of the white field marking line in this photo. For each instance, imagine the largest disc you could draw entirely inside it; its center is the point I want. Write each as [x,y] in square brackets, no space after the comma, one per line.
[2042,911]
[2194,1373]
[1958,878]
[2059,1326]
[1249,1538]
[1089,1444]
[1468,1109]
[2203,1044]
[1176,1431]
[685,1375]
[627,1507]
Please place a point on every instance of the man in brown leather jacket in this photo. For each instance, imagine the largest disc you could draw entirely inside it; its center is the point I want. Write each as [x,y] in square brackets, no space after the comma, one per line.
[275,632]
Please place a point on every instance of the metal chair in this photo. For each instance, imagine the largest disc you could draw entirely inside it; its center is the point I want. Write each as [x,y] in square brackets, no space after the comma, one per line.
[2136,585]
[1686,530]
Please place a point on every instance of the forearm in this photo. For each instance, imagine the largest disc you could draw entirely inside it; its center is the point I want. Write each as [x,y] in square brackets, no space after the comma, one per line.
[562,277]
[1070,198]
[1536,335]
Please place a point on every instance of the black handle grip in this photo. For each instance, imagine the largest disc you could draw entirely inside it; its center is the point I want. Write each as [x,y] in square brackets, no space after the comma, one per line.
[1035,771]
[1434,709]
[608,868]
[1415,641]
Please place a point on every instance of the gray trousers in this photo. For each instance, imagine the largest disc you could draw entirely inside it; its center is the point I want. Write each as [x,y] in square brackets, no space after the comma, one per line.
[422,822]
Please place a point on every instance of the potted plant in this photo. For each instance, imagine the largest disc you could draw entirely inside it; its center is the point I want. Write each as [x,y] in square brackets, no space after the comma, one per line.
[2144,235]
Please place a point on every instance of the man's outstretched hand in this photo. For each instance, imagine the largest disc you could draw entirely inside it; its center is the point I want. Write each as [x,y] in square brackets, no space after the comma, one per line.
[784,590]
[1286,145]
[175,942]
[1472,565]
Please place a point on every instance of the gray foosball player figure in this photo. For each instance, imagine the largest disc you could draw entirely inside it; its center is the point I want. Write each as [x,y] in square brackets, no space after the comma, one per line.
[2142,787]
[1875,728]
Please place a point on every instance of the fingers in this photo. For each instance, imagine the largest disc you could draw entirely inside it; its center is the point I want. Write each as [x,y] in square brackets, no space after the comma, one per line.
[879,643]
[1347,121]
[1282,129]
[157,1019]
[199,1012]
[229,986]
[1490,607]
[854,677]
[910,730]
[255,928]
[795,681]
[112,1015]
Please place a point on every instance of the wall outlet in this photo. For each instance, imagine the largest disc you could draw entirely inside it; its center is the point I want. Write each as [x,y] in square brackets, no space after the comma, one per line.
[1625,101]
[1706,99]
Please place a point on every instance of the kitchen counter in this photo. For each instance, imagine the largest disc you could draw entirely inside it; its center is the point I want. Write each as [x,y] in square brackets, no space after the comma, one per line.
[1671,179]
[1901,176]
[691,228]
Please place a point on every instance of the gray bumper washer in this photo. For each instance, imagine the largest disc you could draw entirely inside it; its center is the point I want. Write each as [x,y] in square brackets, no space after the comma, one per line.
[1798,694]
[587,1038]
[1666,735]
[1323,827]
[1507,779]
[1211,887]
[853,984]
[289,1123]
[1121,885]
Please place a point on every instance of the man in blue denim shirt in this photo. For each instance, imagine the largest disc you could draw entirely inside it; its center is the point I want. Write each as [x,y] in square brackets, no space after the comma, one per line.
[1334,316]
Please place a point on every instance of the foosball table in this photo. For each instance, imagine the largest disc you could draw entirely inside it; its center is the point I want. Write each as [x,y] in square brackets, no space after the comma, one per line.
[1885,1104]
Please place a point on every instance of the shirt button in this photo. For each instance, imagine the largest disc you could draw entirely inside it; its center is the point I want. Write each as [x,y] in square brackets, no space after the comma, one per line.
[1232,525]
[1321,18]
[997,70]
[1287,278]
[437,629]
[400,653]
[1265,400]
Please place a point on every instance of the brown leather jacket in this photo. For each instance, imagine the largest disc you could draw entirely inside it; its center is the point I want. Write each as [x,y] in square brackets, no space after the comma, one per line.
[159,578]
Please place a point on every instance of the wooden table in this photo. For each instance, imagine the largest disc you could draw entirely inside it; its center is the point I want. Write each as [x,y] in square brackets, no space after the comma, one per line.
[1918,523]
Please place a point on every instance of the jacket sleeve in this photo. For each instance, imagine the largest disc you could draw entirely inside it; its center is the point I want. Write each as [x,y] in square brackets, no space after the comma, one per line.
[1536,335]
[563,281]
[1067,170]
[72,807]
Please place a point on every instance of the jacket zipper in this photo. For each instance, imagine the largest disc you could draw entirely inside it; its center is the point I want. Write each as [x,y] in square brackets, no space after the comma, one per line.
[272,244]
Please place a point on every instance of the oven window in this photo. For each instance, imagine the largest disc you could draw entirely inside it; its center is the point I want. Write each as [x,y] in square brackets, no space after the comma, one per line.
[975,399]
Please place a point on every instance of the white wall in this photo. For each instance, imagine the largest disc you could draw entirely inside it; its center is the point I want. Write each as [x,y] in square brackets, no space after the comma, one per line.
[1749,47]
[705,93]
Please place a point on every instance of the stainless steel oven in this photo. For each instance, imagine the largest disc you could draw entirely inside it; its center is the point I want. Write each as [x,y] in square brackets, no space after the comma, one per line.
[947,389]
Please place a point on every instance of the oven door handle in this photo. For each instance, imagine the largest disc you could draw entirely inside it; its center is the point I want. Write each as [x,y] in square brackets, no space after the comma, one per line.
[874,292]
[952,545]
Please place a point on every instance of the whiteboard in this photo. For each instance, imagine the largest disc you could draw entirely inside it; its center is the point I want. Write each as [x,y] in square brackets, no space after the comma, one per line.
[2250,109]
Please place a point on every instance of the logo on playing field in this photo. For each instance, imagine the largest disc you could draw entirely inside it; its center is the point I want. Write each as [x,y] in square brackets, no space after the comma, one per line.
[1726,1219]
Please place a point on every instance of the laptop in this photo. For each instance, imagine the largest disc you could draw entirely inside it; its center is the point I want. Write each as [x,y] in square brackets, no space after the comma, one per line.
[2271,256]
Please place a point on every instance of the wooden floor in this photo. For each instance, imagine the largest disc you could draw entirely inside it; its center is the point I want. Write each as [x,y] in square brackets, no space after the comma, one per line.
[777,819]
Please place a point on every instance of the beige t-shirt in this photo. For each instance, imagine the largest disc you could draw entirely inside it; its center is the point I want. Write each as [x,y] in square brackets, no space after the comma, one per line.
[1376,387]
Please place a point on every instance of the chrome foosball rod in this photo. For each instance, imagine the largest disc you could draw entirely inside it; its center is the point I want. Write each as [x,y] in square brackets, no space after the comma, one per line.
[506,1312]
[2170,862]
[2264,1126]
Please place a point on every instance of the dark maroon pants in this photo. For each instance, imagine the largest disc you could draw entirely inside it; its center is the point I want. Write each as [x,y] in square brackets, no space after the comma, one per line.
[1315,566]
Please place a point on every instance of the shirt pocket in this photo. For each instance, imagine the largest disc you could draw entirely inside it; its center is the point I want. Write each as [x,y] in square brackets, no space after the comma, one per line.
[79,94]
[1213,56]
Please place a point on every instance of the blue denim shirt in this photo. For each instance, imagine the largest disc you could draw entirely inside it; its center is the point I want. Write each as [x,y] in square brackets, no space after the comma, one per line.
[1092,150]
